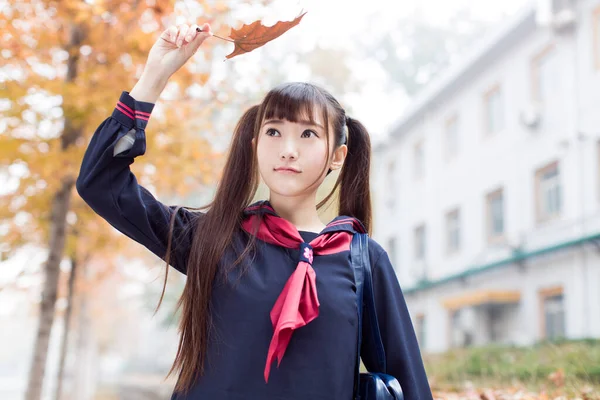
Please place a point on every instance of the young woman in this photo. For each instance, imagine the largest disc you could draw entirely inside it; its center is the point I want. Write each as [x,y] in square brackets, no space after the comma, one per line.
[266,281]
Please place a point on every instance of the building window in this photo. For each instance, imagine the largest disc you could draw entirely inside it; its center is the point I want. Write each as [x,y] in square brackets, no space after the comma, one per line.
[452,140]
[598,168]
[560,5]
[420,244]
[453,231]
[548,193]
[495,214]
[543,71]
[552,313]
[420,330]
[596,39]
[460,336]
[494,118]
[392,250]
[390,188]
[419,159]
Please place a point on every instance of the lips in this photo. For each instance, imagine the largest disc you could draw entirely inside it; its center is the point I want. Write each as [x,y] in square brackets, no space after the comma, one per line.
[287,169]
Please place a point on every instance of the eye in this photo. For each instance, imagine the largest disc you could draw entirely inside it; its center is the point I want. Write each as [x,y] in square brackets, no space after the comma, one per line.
[308,132]
[272,132]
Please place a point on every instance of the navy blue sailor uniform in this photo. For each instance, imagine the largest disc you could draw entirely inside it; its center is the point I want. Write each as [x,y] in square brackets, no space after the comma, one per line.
[320,357]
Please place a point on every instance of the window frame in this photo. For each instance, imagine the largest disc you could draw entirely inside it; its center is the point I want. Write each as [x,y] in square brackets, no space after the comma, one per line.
[495,89]
[598,169]
[543,295]
[596,38]
[419,162]
[493,238]
[390,195]
[422,244]
[455,212]
[535,71]
[541,214]
[450,152]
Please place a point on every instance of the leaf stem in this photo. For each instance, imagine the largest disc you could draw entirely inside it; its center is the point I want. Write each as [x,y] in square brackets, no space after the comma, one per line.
[217,36]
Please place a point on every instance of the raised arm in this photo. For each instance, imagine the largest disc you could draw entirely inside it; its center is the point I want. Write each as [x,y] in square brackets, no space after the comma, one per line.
[108,186]
[105,181]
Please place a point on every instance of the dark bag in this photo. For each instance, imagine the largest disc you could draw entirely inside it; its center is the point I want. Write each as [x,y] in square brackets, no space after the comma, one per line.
[370,385]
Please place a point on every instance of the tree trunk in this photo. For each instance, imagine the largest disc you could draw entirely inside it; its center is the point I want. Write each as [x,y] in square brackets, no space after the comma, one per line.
[66,330]
[85,371]
[60,207]
[58,226]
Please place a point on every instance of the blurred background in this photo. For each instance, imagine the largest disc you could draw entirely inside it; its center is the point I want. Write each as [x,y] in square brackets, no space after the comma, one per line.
[486,180]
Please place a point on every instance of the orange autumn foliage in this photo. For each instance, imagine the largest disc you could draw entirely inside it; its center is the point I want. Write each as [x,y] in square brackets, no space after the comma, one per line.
[114,38]
[255,35]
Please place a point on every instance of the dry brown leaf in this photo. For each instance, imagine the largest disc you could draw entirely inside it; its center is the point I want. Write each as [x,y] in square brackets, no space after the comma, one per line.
[255,35]
[557,377]
[487,395]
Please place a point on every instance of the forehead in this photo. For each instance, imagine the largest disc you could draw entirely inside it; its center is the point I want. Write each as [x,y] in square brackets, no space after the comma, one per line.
[314,120]
[300,105]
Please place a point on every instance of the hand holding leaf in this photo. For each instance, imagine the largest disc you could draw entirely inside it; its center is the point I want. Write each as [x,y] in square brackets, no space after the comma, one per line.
[174,47]
[255,35]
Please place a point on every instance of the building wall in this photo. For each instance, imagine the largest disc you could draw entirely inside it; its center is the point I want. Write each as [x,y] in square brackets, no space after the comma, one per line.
[521,324]
[507,159]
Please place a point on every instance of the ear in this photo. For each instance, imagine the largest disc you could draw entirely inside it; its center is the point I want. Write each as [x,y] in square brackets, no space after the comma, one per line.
[338,158]
[253,140]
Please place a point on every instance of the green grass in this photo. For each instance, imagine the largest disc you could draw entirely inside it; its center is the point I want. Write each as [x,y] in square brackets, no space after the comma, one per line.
[509,365]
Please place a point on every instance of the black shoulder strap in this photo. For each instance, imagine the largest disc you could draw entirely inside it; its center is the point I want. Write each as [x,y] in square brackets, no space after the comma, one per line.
[359,253]
[357,248]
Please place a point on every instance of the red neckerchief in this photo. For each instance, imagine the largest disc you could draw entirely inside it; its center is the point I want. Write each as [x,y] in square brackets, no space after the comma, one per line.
[298,303]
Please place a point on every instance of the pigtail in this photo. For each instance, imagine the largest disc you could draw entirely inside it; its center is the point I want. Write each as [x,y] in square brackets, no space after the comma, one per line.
[354,192]
[214,231]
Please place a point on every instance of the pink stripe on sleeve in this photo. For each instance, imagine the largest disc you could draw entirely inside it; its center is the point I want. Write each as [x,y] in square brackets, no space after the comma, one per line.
[123,110]
[125,107]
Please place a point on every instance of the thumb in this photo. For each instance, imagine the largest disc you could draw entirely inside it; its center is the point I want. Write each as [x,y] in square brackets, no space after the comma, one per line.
[204,29]
[201,34]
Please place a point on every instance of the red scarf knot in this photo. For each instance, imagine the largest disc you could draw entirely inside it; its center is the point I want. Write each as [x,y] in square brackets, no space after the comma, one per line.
[298,303]
[306,253]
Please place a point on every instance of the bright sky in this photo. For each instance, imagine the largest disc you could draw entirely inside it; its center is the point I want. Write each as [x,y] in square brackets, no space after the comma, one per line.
[338,23]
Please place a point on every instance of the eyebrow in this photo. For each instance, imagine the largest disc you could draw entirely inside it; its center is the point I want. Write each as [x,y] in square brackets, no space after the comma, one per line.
[280,122]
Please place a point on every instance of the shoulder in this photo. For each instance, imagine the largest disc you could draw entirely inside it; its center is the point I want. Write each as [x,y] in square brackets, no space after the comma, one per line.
[383,272]
[376,252]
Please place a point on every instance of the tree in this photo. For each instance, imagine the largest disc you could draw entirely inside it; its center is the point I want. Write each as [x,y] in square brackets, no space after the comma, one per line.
[65,63]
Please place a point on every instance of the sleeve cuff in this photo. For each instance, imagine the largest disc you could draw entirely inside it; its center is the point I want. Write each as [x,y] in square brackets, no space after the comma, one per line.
[132,113]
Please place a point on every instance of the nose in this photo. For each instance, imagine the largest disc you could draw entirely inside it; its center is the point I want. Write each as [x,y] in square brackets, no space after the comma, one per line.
[288,150]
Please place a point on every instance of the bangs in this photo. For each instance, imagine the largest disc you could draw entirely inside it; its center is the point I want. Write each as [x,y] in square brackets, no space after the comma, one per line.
[296,102]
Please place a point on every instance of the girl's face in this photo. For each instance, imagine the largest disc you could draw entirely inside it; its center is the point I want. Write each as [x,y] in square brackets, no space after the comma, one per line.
[292,155]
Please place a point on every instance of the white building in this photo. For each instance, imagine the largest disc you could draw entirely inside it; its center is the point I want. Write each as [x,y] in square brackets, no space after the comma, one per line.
[487,191]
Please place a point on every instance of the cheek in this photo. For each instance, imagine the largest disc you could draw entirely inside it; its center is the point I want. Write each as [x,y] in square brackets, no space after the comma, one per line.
[318,152]
[264,151]
[267,155]
[315,157]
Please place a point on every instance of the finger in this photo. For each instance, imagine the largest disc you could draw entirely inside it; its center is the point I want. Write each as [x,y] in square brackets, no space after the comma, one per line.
[170,34]
[192,33]
[201,34]
[205,30]
[183,30]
